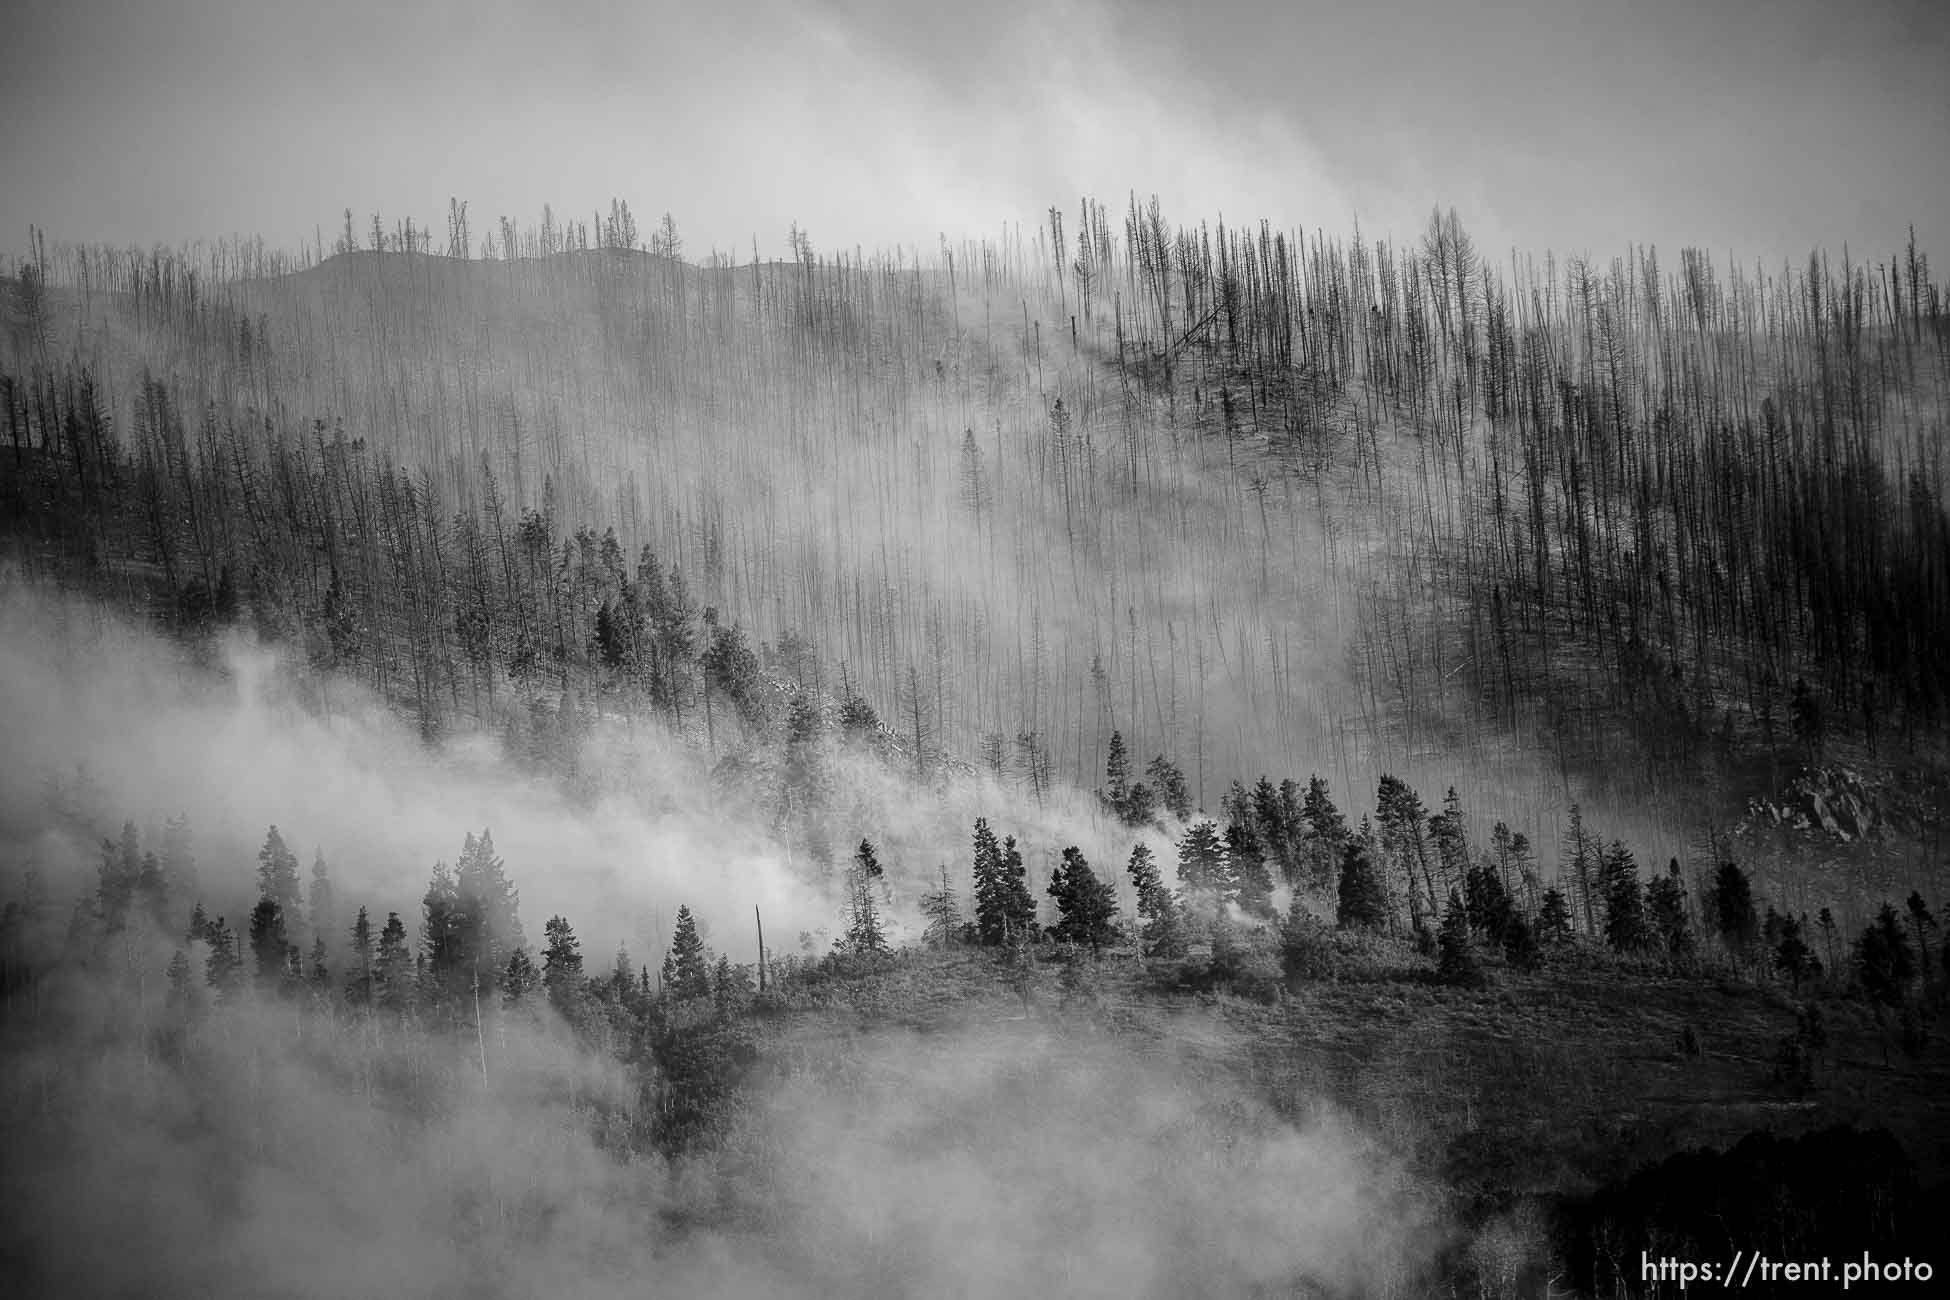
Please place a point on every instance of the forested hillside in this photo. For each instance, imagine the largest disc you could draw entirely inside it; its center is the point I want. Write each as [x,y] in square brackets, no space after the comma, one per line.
[1555,534]
[1077,743]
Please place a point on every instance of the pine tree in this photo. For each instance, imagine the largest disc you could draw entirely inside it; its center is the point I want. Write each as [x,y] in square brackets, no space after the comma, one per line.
[1116,794]
[358,983]
[1457,962]
[1554,920]
[272,951]
[152,889]
[1582,864]
[1169,789]
[1087,905]
[1252,884]
[1732,908]
[1792,956]
[1018,904]
[392,968]
[519,978]
[1326,833]
[324,911]
[1625,928]
[1202,869]
[864,936]
[1160,931]
[1362,902]
[121,868]
[943,912]
[1883,960]
[488,909]
[182,984]
[277,875]
[443,936]
[223,967]
[1666,916]
[562,966]
[1921,920]
[199,925]
[687,968]
[991,890]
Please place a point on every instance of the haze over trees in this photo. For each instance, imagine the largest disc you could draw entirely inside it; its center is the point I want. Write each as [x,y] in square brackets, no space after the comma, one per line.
[1003,595]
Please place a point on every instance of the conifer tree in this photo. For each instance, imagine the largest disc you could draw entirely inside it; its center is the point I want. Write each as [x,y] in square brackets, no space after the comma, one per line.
[1018,904]
[1086,904]
[1666,916]
[324,911]
[1252,883]
[1326,833]
[1362,902]
[1168,788]
[1792,956]
[182,984]
[687,967]
[392,967]
[358,982]
[1457,962]
[1554,920]
[519,978]
[1625,928]
[152,888]
[943,912]
[272,951]
[1159,929]
[1922,922]
[1202,868]
[277,875]
[1883,961]
[864,936]
[1732,909]
[488,908]
[1116,794]
[1583,860]
[991,890]
[223,967]
[562,967]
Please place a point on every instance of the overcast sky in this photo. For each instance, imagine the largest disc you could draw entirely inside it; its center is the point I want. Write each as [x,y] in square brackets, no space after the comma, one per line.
[1760,127]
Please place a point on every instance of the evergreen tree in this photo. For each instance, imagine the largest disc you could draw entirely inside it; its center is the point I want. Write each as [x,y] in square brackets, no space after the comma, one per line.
[223,967]
[1326,833]
[272,951]
[1625,928]
[805,767]
[324,911]
[1168,788]
[358,983]
[1457,962]
[1666,916]
[392,968]
[320,975]
[1792,956]
[1203,873]
[487,907]
[1883,960]
[1583,862]
[1252,882]
[1554,920]
[1362,902]
[1732,907]
[152,889]
[277,875]
[687,967]
[991,890]
[1116,794]
[199,925]
[443,934]
[121,868]
[1086,904]
[1922,922]
[1159,929]
[943,912]
[1018,904]
[182,984]
[864,936]
[562,966]
[1402,824]
[519,978]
